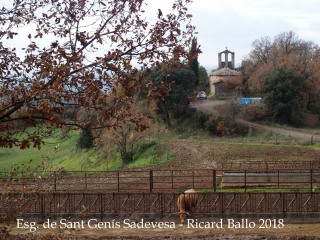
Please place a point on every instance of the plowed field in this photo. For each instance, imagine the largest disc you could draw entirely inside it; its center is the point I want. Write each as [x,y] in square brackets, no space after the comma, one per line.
[191,155]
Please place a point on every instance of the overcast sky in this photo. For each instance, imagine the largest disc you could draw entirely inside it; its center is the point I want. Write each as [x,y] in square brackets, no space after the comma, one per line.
[237,23]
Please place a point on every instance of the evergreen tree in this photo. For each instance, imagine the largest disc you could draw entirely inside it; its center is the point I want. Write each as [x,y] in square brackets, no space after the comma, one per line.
[203,79]
[86,139]
[281,88]
[182,82]
[193,59]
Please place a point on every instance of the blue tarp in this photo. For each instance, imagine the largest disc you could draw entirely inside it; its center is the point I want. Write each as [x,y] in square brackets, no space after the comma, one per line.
[244,100]
[252,100]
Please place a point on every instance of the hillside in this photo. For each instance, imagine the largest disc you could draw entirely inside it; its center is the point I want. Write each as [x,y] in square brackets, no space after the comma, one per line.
[170,150]
[58,153]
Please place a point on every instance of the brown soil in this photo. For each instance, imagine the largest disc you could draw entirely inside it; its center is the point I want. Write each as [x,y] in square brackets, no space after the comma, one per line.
[195,155]
[190,155]
[290,231]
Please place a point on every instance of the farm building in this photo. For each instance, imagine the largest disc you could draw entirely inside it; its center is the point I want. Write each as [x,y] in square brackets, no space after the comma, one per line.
[225,81]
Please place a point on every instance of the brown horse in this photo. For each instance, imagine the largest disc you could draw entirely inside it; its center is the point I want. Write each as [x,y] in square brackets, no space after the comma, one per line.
[186,203]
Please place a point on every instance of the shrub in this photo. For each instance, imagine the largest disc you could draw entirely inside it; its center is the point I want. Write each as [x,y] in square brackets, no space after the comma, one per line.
[86,139]
[256,113]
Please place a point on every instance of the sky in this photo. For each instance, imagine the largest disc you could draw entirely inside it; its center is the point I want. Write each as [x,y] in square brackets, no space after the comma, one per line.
[235,24]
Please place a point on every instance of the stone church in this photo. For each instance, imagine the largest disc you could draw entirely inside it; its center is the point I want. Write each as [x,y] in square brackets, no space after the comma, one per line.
[225,81]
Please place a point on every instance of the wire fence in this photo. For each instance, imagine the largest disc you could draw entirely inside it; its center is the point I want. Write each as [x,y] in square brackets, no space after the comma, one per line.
[54,205]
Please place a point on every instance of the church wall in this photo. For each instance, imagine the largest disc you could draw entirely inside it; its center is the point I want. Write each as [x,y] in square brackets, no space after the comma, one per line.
[223,85]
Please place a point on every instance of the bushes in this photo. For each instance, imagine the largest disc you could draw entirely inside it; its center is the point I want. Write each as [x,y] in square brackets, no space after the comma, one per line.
[86,139]
[201,119]
[256,113]
[214,125]
[222,126]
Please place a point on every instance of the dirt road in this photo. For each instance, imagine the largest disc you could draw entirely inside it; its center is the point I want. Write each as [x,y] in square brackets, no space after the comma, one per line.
[303,136]
[208,106]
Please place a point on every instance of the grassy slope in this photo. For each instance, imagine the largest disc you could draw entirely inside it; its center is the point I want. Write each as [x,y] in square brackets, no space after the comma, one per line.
[71,158]
[146,153]
[13,157]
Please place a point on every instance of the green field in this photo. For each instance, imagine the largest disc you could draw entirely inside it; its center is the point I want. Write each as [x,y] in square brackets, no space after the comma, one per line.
[70,158]
[152,150]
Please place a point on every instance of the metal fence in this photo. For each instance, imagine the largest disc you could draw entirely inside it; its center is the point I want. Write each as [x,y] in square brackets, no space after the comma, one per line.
[269,165]
[116,181]
[52,205]
[166,180]
[279,179]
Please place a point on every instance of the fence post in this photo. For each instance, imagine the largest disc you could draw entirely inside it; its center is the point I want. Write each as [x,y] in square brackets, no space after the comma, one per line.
[311,180]
[151,180]
[172,179]
[42,207]
[222,201]
[101,207]
[245,180]
[55,181]
[283,202]
[118,176]
[160,203]
[214,178]
[278,178]
[85,180]
[192,178]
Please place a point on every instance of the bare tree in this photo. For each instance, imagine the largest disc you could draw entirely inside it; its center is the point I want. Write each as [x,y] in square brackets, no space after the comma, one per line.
[261,49]
[82,54]
[288,51]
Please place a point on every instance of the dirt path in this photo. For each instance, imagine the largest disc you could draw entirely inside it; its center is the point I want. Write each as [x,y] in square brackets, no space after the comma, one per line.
[208,106]
[298,135]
